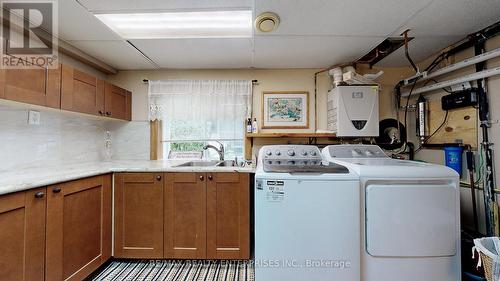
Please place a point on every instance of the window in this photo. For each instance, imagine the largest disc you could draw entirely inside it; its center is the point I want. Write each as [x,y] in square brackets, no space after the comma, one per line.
[195,113]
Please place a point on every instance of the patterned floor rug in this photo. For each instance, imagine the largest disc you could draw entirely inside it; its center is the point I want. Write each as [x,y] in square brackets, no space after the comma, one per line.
[173,270]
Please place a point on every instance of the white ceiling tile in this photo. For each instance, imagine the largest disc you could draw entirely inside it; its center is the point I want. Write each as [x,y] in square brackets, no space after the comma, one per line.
[453,18]
[312,33]
[340,17]
[76,23]
[198,53]
[118,54]
[309,51]
[420,48]
[159,5]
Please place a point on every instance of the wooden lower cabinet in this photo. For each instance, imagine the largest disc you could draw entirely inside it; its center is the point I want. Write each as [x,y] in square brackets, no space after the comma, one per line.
[207,216]
[138,215]
[63,232]
[22,235]
[228,216]
[78,237]
[185,215]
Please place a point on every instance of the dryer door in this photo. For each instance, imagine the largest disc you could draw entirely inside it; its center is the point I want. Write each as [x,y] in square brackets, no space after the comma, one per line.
[411,220]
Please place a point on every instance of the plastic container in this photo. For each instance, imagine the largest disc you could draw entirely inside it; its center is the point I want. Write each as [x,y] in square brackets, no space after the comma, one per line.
[453,158]
[337,75]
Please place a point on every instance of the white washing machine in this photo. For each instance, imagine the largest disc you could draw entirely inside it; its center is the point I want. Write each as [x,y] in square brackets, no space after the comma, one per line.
[306,217]
[410,215]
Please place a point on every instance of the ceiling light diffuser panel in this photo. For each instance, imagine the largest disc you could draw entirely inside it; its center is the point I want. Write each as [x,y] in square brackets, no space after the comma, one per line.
[208,24]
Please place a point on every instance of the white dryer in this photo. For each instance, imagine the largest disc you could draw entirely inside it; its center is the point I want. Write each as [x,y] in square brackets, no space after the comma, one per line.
[409,215]
[306,217]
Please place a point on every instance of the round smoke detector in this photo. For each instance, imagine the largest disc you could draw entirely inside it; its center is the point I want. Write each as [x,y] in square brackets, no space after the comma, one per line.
[267,22]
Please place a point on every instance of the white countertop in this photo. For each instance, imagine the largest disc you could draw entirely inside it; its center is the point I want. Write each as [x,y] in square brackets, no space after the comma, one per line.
[23,179]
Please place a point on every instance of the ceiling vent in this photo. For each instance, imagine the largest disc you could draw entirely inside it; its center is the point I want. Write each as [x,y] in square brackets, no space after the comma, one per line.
[267,22]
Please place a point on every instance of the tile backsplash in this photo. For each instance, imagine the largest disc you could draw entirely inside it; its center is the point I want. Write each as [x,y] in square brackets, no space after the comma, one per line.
[66,138]
[130,140]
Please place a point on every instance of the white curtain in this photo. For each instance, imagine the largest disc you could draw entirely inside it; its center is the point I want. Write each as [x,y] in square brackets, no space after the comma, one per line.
[200,109]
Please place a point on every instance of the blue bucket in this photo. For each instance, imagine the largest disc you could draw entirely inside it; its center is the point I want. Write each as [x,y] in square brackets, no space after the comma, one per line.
[453,158]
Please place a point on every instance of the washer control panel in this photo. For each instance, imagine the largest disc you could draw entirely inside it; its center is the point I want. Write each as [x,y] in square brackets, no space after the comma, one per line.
[291,152]
[356,151]
[296,159]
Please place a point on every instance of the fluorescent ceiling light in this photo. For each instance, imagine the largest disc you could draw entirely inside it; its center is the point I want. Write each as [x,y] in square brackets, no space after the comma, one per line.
[214,24]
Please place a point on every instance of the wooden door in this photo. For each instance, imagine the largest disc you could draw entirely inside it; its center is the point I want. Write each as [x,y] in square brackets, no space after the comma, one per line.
[78,237]
[34,86]
[81,92]
[138,215]
[117,102]
[22,235]
[185,215]
[228,216]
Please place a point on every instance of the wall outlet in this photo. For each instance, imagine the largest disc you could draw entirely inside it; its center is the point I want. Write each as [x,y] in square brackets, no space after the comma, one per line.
[33,117]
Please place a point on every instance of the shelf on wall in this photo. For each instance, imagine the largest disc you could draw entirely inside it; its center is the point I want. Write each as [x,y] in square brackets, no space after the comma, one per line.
[291,135]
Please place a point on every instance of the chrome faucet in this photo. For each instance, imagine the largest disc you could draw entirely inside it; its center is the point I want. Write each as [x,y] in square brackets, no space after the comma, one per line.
[219,150]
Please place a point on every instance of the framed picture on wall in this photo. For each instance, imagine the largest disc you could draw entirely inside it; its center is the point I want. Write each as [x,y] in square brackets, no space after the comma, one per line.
[285,110]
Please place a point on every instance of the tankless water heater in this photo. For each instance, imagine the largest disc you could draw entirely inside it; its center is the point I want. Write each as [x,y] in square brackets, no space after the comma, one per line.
[353,111]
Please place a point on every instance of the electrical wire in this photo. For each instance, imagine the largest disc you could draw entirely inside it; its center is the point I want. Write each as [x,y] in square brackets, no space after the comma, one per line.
[480,168]
[437,61]
[406,111]
[435,131]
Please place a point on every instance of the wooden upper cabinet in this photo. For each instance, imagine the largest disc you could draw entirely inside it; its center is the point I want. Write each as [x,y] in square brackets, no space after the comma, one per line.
[66,88]
[34,86]
[138,215]
[22,235]
[228,216]
[81,92]
[78,237]
[185,215]
[118,102]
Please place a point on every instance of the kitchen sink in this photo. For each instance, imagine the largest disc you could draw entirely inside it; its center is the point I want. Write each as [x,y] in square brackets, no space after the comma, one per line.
[227,163]
[198,164]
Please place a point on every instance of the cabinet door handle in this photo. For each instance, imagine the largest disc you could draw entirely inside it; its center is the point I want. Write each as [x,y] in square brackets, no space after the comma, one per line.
[158,178]
[56,189]
[210,177]
[39,195]
[108,113]
[202,178]
[101,112]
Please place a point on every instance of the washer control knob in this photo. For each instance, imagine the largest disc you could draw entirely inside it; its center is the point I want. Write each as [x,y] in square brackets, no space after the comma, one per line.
[313,153]
[277,152]
[368,153]
[304,153]
[291,152]
[269,153]
[356,152]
